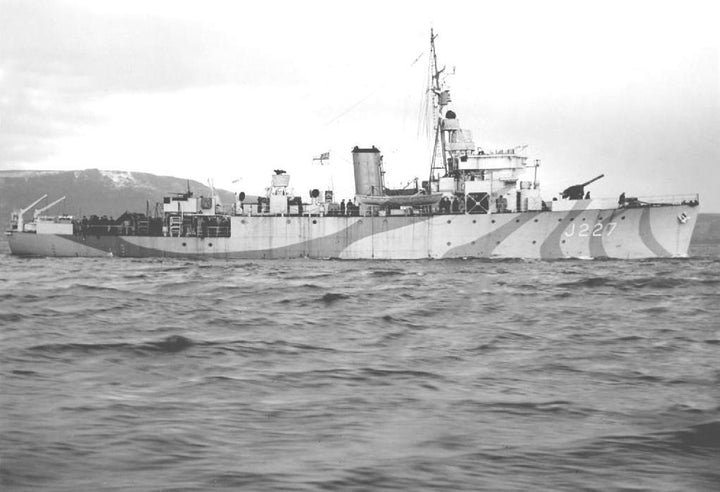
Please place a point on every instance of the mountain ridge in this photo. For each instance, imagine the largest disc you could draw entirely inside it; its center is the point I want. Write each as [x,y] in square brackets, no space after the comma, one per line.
[93,191]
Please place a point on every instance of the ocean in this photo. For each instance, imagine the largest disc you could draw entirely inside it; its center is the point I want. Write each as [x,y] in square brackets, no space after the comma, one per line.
[122,374]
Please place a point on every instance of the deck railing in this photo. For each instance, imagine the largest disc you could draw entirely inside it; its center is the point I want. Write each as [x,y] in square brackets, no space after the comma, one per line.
[685,199]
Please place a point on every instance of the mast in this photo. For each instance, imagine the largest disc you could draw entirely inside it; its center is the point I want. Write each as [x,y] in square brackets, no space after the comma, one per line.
[440,99]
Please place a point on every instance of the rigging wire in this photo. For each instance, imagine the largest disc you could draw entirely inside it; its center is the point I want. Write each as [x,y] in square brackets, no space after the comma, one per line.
[424,108]
[372,93]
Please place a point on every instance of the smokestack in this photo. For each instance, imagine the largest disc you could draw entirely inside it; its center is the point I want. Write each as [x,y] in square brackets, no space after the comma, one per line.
[367,167]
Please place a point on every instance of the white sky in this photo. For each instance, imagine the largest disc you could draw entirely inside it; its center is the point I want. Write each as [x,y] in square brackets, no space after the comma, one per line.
[232,90]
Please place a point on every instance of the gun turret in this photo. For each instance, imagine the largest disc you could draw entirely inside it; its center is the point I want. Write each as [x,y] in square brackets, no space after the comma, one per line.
[577,192]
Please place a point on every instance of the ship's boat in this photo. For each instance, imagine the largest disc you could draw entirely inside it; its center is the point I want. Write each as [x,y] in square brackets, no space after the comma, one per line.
[474,203]
[394,201]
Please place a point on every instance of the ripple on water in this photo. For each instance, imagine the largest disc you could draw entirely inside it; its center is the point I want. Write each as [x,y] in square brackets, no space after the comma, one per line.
[432,375]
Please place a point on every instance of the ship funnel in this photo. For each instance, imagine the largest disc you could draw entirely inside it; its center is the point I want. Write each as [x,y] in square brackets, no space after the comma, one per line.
[367,164]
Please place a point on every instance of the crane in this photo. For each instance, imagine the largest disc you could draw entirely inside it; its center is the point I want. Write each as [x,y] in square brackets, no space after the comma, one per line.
[19,213]
[40,210]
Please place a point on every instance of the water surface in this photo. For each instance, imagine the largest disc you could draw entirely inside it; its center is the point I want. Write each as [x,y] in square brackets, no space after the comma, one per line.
[121,374]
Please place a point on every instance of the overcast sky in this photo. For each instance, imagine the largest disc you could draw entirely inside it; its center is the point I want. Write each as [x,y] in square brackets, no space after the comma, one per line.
[230,91]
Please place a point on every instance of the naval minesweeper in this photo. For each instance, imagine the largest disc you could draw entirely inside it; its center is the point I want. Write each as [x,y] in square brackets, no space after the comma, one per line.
[474,203]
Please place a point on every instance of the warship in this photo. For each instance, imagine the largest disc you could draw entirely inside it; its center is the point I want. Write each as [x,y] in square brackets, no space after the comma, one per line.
[474,204]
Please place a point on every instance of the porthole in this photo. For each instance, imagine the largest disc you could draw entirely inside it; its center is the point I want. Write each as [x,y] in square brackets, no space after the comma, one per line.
[209,245]
[583,218]
[534,242]
[449,243]
[287,221]
[563,241]
[622,218]
[449,221]
[314,221]
[474,221]
[535,220]
[492,221]
[184,244]
[517,220]
[559,220]
[572,218]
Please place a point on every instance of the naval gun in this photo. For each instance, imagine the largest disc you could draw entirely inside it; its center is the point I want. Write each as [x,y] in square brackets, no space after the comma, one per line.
[577,192]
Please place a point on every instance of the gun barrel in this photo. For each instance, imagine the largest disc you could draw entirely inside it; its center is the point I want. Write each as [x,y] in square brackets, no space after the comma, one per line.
[593,180]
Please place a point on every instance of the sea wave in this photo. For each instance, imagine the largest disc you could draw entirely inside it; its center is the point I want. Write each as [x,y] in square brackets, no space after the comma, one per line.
[409,375]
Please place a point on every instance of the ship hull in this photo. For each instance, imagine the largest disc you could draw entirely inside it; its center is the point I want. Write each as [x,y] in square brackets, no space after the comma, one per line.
[647,232]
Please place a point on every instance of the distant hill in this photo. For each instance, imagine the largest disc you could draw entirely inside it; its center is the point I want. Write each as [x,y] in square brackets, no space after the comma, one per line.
[92,191]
